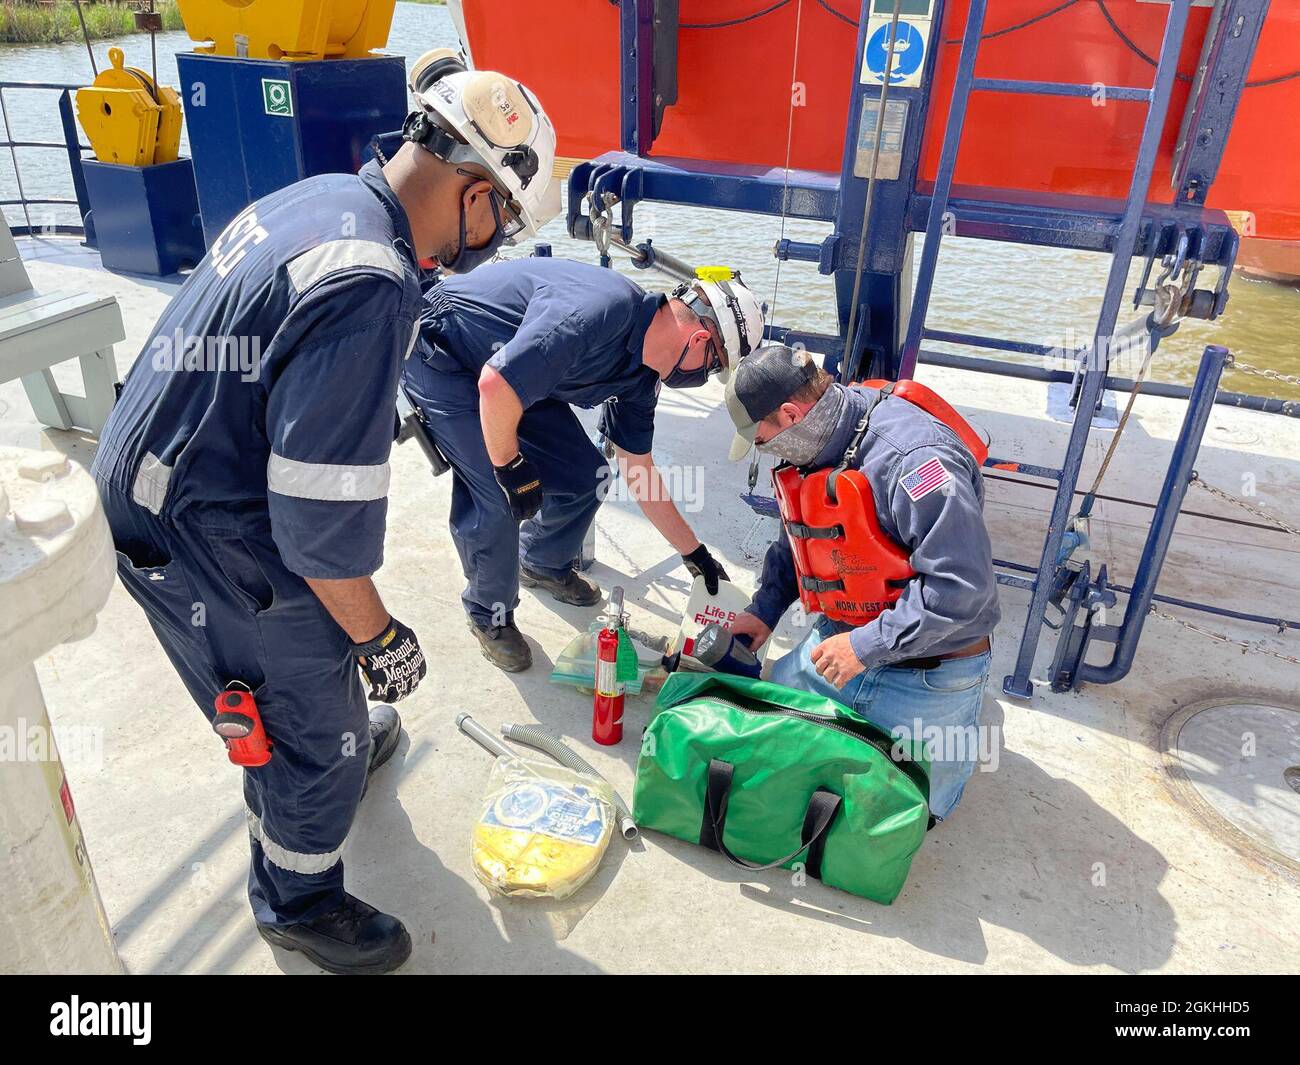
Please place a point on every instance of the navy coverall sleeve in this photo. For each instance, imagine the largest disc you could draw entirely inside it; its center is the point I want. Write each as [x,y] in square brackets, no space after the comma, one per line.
[777,588]
[630,421]
[950,552]
[537,357]
[329,420]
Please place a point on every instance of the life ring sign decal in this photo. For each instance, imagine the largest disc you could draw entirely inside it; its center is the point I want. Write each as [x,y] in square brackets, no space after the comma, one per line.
[914,24]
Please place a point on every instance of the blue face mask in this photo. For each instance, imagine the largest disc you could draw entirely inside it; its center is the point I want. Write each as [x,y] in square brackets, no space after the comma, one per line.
[679,378]
[466,257]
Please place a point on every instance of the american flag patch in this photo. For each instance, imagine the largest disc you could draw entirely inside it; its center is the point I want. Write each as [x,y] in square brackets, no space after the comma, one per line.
[925,479]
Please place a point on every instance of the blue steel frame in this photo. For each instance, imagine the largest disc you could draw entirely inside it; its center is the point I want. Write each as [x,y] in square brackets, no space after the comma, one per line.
[899,210]
[71,144]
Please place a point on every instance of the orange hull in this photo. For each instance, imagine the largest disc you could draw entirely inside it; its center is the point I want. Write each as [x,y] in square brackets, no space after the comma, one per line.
[734,93]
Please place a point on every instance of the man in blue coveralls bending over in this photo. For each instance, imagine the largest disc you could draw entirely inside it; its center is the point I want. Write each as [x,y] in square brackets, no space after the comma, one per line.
[504,353]
[244,473]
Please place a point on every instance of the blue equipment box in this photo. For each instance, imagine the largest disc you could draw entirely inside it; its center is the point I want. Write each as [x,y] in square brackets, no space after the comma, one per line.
[146,218]
[257,125]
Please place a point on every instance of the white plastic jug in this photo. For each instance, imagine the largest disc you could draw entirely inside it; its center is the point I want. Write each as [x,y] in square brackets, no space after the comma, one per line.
[704,609]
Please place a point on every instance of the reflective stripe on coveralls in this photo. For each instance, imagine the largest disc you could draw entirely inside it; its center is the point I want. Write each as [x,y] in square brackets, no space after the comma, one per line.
[248,451]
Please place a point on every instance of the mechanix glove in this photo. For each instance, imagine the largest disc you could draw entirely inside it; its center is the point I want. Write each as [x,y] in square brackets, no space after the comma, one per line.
[392,663]
[523,488]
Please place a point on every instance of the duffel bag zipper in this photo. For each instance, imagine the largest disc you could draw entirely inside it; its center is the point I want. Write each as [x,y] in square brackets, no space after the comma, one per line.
[908,767]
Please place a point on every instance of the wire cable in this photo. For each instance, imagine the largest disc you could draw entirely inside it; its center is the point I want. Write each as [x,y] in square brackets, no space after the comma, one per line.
[735,21]
[850,333]
[789,143]
[838,14]
[1019,25]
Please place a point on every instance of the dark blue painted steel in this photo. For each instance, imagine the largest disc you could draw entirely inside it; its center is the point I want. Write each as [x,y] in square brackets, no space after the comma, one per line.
[71,144]
[241,152]
[1123,229]
[1094,375]
[147,217]
[1061,88]
[1225,61]
[753,190]
[1168,505]
[936,221]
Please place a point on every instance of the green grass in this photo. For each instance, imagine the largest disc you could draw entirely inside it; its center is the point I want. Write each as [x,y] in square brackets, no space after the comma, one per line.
[24,22]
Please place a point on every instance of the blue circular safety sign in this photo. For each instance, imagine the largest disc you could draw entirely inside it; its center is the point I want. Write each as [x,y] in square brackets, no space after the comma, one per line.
[909,51]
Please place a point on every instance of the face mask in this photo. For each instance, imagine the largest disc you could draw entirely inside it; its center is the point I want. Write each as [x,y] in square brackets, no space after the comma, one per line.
[679,378]
[466,257]
[805,440]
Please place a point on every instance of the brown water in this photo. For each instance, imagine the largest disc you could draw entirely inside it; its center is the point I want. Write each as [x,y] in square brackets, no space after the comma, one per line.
[1031,294]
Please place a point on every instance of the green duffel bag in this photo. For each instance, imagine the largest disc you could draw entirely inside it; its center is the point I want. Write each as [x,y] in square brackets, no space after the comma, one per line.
[770,776]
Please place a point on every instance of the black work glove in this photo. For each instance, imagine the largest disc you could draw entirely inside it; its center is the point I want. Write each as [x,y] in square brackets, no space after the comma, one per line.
[702,564]
[392,663]
[522,486]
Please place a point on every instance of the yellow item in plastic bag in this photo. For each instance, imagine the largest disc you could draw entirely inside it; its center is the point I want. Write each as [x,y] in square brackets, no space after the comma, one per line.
[543,829]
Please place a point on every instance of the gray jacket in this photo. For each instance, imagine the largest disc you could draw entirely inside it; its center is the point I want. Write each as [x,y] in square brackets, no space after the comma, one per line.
[953,600]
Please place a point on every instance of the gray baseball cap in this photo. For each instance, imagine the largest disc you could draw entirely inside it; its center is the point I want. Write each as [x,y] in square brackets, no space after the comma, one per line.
[760,384]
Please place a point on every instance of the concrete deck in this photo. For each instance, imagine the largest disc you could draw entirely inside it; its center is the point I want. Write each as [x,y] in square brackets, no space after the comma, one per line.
[1081,850]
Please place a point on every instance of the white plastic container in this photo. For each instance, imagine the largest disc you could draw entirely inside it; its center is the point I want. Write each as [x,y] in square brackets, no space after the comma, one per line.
[704,609]
[56,571]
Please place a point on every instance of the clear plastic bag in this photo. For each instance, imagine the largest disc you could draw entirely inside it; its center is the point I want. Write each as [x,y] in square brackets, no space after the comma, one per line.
[542,829]
[576,664]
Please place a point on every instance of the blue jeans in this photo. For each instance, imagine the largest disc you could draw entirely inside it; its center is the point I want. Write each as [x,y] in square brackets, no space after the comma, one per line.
[917,704]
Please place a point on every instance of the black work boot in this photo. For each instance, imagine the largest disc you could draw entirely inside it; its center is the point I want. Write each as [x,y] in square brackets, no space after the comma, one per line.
[503,646]
[351,939]
[573,588]
[385,731]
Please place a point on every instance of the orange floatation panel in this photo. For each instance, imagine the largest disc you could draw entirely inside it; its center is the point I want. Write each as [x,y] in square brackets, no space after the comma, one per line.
[734,93]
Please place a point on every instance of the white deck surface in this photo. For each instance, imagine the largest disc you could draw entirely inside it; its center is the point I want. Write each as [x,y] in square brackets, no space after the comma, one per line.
[1077,852]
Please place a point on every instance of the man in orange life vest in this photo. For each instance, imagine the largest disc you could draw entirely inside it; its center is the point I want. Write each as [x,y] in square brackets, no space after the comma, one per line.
[884,539]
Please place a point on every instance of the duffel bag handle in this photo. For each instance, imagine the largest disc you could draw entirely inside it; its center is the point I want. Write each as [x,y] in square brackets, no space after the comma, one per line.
[822,808]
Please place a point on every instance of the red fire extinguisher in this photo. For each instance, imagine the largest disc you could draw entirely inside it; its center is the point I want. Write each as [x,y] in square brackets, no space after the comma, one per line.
[239,723]
[607,706]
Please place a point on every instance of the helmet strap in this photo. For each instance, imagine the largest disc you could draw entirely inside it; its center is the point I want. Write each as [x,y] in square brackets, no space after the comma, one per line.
[419,129]
[466,257]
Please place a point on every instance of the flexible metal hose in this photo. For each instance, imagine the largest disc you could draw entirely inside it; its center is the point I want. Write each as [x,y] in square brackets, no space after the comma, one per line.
[529,736]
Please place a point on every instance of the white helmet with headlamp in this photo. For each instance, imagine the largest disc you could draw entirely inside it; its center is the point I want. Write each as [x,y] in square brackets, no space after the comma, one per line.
[719,295]
[486,119]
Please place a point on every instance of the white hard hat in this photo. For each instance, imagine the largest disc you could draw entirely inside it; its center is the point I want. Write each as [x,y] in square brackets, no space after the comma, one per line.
[733,308]
[486,118]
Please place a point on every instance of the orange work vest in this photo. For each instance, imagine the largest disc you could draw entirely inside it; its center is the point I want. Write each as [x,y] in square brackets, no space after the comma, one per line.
[849,568]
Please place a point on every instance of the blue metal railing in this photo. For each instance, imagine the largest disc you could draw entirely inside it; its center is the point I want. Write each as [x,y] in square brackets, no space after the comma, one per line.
[71,144]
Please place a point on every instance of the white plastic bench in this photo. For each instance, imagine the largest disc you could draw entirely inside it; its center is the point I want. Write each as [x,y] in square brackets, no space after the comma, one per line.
[40,330]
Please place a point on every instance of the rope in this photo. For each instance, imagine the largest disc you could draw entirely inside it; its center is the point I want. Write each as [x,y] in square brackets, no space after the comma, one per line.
[1123,420]
[838,14]
[1115,28]
[1018,26]
[735,21]
[789,143]
[85,34]
[1132,47]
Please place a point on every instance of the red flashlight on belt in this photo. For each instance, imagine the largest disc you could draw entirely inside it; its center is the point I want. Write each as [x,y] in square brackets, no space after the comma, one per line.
[239,724]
